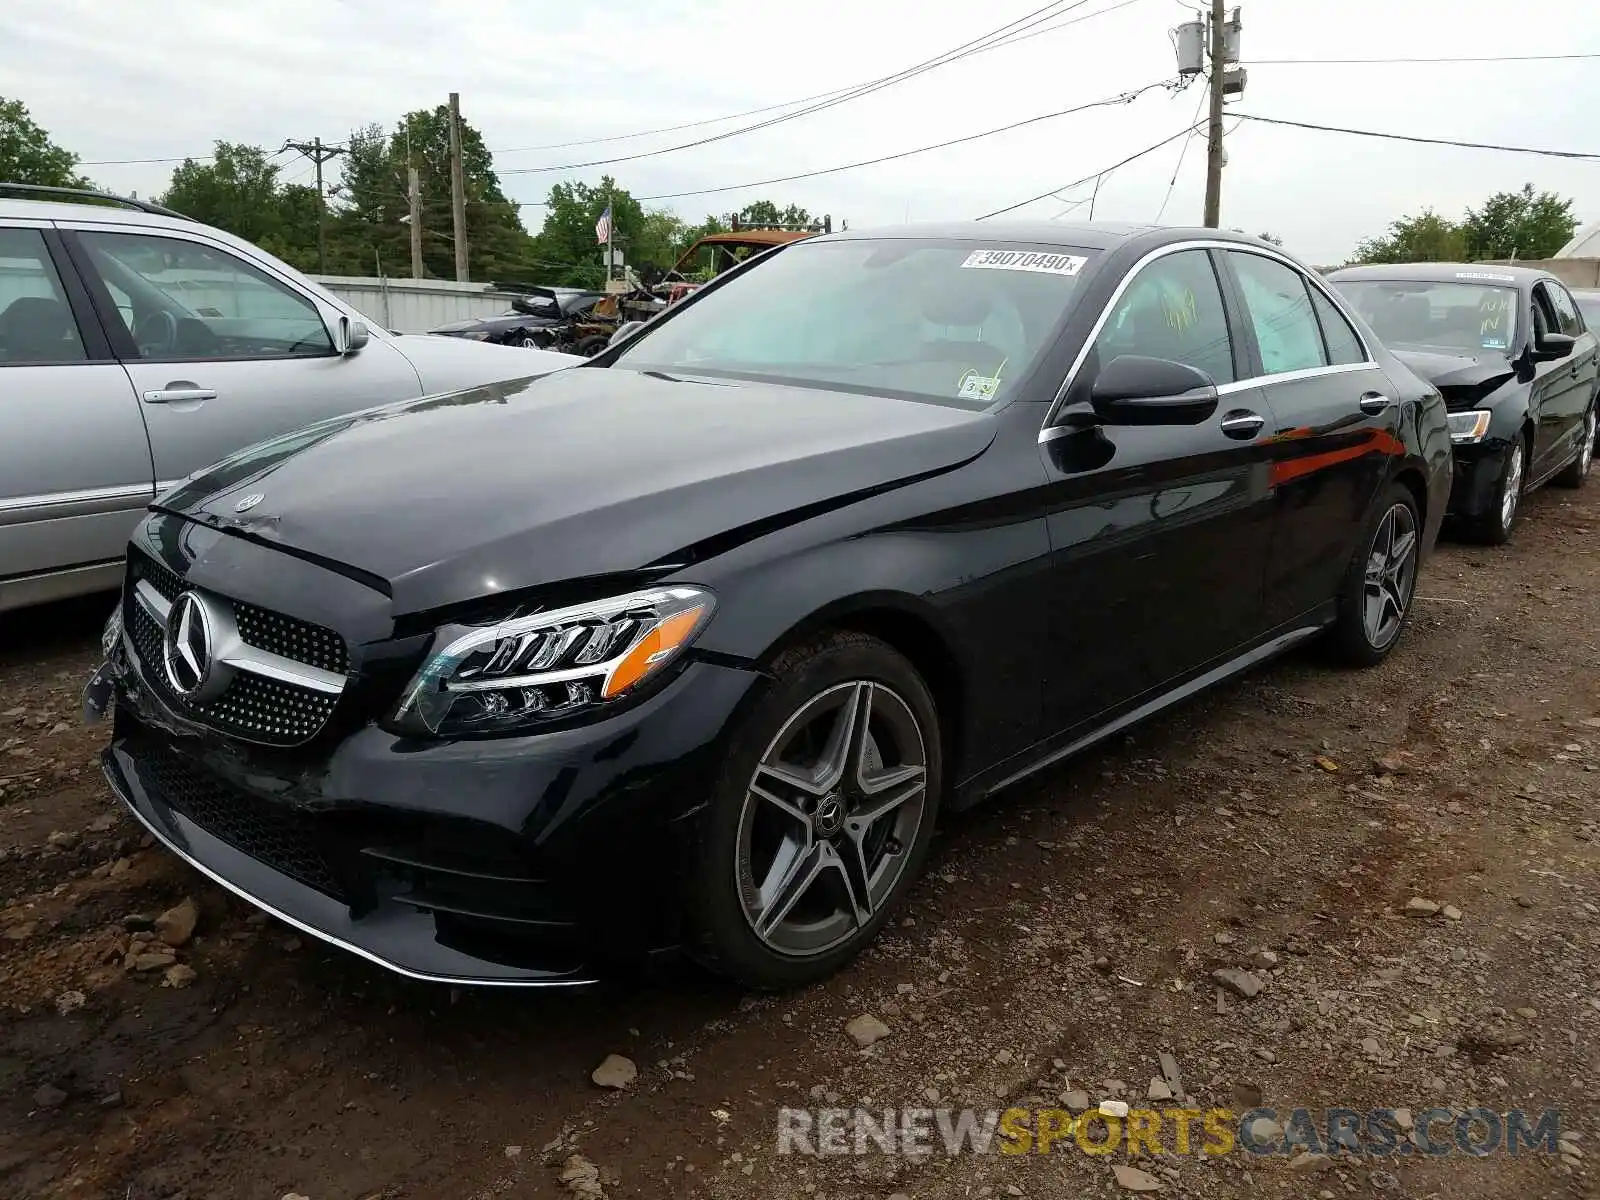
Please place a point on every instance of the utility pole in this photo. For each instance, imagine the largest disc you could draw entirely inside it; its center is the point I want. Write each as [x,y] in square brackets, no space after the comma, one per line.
[319,154]
[1218,56]
[458,188]
[414,201]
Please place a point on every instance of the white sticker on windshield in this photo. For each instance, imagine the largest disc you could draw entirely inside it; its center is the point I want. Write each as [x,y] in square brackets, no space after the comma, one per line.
[1489,275]
[1024,260]
[978,387]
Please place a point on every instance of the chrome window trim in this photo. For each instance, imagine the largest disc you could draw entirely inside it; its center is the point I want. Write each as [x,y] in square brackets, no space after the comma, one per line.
[1048,432]
[233,651]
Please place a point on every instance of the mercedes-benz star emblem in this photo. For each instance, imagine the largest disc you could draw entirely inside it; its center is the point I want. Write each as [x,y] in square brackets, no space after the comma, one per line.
[188,646]
[246,503]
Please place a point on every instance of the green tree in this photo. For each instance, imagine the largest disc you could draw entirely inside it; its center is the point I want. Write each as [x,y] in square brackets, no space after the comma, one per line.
[567,249]
[1426,237]
[766,213]
[371,200]
[1521,224]
[27,155]
[237,191]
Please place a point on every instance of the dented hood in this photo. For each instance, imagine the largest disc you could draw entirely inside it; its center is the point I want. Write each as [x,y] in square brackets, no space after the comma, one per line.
[581,473]
[1457,370]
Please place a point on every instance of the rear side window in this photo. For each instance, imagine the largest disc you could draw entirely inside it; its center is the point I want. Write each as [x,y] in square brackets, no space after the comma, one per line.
[1280,313]
[1343,345]
[36,324]
[187,301]
[1173,310]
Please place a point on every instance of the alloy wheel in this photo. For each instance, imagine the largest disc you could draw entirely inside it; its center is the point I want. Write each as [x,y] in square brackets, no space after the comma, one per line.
[1391,575]
[830,817]
[1511,492]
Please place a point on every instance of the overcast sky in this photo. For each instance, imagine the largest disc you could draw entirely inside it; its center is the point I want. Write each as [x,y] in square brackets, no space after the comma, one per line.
[126,79]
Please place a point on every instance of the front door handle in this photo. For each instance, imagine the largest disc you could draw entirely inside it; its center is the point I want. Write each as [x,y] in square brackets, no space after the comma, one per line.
[176,395]
[1241,423]
[1373,403]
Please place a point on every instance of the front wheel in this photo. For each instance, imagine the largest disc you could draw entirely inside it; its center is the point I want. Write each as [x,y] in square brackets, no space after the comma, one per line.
[1494,527]
[822,817]
[1374,601]
[1577,470]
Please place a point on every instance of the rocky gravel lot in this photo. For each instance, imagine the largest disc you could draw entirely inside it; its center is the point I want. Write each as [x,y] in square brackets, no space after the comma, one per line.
[1311,888]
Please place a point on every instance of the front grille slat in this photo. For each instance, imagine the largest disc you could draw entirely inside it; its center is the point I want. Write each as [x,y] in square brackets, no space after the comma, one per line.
[253,707]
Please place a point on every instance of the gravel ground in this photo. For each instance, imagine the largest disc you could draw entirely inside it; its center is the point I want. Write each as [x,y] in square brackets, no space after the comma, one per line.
[159,1040]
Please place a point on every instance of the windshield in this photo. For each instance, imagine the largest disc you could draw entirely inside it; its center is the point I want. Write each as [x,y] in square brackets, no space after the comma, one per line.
[1450,318]
[950,322]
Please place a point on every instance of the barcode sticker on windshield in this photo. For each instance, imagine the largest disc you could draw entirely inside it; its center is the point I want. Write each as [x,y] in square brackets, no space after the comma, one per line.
[1024,260]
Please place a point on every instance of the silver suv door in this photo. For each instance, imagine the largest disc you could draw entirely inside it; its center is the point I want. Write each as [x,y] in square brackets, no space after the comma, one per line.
[222,351]
[75,469]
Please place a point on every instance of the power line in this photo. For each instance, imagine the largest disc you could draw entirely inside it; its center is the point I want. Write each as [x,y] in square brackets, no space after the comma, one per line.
[962,51]
[1183,152]
[1483,58]
[1166,141]
[1121,98]
[1010,39]
[1404,137]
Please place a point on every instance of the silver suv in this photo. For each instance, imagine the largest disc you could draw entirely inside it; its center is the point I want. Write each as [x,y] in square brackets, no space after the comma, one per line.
[138,346]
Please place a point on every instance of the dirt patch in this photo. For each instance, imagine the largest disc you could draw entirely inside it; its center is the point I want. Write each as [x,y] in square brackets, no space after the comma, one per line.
[1064,938]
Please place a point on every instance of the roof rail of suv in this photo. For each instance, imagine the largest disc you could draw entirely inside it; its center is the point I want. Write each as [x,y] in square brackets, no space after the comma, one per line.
[69,194]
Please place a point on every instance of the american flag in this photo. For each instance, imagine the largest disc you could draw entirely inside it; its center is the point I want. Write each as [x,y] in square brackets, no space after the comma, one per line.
[602,227]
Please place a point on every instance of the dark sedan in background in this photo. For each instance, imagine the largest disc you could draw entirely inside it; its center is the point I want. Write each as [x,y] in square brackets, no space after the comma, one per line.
[544,319]
[1517,364]
[690,645]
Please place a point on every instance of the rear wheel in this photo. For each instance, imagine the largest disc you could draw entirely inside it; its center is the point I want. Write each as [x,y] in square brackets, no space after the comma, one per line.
[1494,527]
[1578,469]
[822,817]
[1380,584]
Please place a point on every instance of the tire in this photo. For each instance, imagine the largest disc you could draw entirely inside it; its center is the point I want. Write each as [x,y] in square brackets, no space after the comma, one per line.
[798,931]
[1494,527]
[1575,472]
[591,345]
[1390,585]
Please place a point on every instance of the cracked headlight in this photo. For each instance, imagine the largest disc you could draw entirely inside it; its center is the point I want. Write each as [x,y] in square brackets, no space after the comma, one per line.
[549,665]
[1470,426]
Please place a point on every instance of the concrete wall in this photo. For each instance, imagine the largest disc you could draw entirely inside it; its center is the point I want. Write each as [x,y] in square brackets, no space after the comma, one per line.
[416,305]
[1574,272]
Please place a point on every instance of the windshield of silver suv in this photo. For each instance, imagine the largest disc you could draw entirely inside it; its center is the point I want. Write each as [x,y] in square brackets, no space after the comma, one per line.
[953,322]
[1455,318]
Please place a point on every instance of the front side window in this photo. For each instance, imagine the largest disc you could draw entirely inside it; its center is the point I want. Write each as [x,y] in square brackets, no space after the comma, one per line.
[1173,310]
[1280,310]
[1444,317]
[184,300]
[1567,319]
[952,322]
[36,324]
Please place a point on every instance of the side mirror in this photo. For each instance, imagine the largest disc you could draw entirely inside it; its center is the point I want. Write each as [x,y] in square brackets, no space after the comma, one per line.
[1553,346]
[349,335]
[624,331]
[1134,390]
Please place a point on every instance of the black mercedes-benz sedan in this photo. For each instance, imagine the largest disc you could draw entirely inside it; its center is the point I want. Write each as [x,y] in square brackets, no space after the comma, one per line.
[687,647]
[1518,366]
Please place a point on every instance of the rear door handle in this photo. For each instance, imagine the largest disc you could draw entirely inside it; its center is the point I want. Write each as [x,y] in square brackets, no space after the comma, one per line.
[175,395]
[1373,403]
[1241,423]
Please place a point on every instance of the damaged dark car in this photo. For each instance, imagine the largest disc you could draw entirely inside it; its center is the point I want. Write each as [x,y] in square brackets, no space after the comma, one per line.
[1516,361]
[687,648]
[542,319]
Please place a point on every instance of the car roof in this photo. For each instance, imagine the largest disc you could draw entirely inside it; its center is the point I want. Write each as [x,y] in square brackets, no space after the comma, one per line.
[1446,272]
[1087,235]
[59,210]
